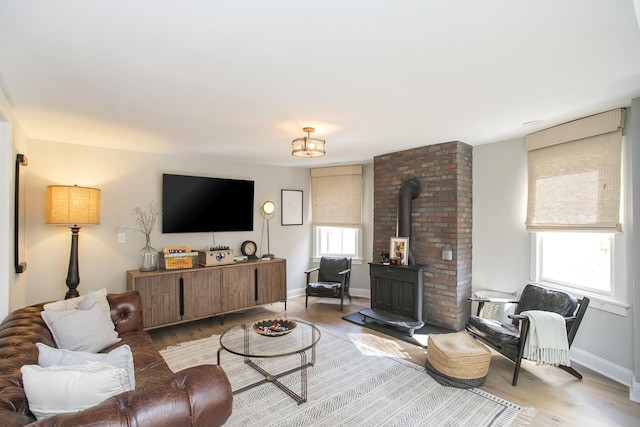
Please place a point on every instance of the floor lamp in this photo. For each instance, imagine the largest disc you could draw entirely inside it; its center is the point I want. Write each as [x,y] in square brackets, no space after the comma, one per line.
[267,209]
[73,205]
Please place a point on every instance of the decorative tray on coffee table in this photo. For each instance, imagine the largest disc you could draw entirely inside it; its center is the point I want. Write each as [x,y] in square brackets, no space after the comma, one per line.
[274,327]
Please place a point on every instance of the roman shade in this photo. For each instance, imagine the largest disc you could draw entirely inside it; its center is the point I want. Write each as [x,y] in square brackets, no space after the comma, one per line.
[575,175]
[336,194]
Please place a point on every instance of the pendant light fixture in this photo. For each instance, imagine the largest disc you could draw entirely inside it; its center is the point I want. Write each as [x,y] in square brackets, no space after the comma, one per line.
[308,146]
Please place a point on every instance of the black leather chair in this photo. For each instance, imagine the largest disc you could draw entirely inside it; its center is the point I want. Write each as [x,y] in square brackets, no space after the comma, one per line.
[509,338]
[334,274]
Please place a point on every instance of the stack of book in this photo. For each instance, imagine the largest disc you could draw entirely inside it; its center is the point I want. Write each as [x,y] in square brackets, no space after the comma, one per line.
[177,257]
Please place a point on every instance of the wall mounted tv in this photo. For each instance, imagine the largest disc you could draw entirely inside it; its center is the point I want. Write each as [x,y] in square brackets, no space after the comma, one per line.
[193,204]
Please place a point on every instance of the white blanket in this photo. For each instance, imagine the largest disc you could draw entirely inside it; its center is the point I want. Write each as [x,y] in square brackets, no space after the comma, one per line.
[547,342]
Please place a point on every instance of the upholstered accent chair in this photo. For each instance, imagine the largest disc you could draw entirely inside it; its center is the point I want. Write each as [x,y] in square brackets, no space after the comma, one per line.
[509,338]
[333,276]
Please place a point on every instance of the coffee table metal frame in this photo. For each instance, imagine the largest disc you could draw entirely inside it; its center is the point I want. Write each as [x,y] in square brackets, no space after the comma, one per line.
[248,351]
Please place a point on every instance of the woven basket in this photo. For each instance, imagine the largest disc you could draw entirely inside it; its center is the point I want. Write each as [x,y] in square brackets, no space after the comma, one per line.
[458,355]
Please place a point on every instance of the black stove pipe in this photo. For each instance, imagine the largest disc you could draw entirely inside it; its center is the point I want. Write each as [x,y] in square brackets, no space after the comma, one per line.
[409,190]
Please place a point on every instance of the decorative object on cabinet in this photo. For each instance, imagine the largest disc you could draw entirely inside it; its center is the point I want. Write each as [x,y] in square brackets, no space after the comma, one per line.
[146,221]
[73,205]
[307,146]
[267,210]
[292,207]
[249,249]
[399,250]
[20,267]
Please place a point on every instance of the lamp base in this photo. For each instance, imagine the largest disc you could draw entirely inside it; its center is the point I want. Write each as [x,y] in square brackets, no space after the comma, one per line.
[268,256]
[73,278]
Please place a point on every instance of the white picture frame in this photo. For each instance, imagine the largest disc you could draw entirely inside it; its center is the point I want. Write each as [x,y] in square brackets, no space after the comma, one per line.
[399,249]
[291,207]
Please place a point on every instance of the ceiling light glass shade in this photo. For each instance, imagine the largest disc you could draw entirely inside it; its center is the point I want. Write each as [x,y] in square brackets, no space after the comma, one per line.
[72,205]
[308,146]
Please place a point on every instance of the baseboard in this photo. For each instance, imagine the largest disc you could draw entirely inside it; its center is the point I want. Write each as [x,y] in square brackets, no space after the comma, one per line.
[610,370]
[634,390]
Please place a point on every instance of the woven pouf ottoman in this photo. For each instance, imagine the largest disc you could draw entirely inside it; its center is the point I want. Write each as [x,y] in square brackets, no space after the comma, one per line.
[457,360]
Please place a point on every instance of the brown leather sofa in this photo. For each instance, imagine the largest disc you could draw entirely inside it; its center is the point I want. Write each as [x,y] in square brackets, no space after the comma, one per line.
[197,396]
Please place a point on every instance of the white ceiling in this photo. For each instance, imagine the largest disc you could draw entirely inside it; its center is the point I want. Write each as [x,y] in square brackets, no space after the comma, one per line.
[242,78]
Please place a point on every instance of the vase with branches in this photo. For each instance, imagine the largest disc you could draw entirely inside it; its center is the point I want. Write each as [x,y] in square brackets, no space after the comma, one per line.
[146,222]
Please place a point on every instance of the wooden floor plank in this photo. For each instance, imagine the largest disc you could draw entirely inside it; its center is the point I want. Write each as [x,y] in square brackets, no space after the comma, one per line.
[559,398]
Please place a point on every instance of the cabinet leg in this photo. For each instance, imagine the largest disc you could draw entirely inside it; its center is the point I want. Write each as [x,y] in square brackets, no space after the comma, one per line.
[221,319]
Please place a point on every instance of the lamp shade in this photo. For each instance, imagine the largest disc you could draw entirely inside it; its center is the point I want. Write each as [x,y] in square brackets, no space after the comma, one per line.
[68,204]
[268,208]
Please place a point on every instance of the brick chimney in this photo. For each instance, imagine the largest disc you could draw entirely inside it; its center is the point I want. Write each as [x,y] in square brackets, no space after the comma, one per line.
[441,215]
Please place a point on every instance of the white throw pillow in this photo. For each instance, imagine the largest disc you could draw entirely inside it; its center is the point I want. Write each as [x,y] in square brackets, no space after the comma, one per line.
[77,303]
[120,357]
[81,330]
[61,389]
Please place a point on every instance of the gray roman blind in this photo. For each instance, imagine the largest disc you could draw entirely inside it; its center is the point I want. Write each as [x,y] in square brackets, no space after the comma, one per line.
[336,196]
[575,174]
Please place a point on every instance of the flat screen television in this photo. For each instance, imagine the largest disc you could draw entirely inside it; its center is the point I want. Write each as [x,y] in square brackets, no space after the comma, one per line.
[193,204]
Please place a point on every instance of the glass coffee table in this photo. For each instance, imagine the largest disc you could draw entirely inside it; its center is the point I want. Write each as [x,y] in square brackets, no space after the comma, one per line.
[244,341]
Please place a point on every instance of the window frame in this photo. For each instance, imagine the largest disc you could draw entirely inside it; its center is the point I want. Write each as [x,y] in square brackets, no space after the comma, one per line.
[317,254]
[615,301]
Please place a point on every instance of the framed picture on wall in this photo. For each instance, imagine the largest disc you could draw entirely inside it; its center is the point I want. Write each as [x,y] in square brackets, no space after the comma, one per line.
[291,207]
[399,250]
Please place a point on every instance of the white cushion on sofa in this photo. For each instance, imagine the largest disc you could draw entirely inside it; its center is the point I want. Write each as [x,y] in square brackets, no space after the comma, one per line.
[81,330]
[83,302]
[60,389]
[120,357]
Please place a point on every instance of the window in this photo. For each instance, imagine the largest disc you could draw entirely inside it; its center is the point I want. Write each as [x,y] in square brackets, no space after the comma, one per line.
[336,241]
[578,260]
[336,195]
[576,186]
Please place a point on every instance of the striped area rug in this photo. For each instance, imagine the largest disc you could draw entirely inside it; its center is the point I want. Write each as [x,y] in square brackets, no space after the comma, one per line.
[351,384]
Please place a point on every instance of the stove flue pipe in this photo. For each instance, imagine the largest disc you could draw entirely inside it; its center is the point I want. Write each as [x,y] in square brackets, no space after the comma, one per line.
[409,190]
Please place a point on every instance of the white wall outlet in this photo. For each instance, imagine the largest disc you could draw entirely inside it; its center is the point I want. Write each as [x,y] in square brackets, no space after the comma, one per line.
[122,237]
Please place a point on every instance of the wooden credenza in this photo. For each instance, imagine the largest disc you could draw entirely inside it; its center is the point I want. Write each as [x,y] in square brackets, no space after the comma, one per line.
[177,296]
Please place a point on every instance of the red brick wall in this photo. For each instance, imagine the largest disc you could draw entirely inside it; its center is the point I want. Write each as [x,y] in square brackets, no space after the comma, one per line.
[441,215]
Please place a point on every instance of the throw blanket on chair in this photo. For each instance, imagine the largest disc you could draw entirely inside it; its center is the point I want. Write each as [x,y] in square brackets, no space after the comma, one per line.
[547,342]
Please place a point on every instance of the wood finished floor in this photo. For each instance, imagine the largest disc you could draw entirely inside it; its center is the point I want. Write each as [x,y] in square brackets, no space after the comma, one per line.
[559,398]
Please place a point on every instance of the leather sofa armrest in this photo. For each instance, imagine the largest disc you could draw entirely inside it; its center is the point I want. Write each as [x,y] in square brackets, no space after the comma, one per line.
[126,311]
[198,396]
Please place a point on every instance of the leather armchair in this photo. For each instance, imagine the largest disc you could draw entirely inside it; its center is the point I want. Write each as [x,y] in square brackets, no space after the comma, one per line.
[198,396]
[333,277]
[509,338]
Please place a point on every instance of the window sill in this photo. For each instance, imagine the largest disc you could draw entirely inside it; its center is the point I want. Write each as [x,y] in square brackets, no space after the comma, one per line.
[597,302]
[614,307]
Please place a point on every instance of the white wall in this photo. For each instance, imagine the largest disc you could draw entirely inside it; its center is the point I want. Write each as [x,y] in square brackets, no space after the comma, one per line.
[127,180]
[130,179]
[634,242]
[12,141]
[6,228]
[501,249]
